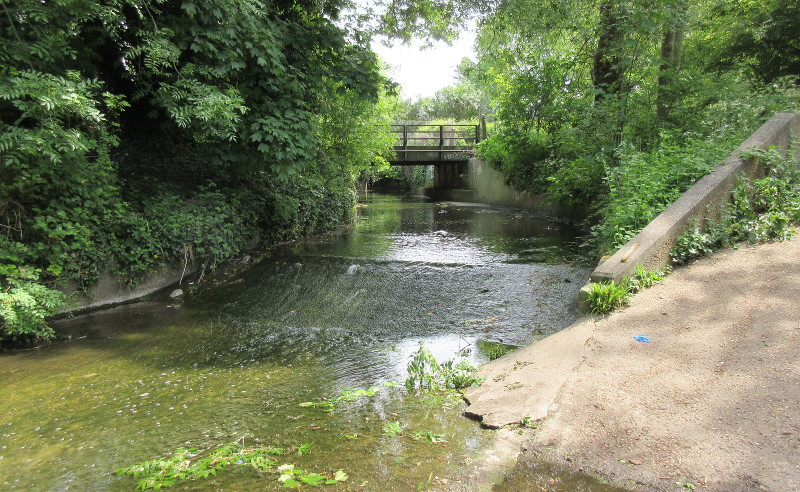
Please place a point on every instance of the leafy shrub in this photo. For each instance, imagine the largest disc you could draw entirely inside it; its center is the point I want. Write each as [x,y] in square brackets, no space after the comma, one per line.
[764,210]
[691,244]
[645,183]
[523,158]
[25,304]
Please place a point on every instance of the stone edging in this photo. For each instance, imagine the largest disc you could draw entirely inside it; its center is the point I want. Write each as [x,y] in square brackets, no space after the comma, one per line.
[650,248]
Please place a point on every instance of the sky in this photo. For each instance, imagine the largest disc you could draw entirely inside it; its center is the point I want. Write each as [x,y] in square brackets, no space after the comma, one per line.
[422,72]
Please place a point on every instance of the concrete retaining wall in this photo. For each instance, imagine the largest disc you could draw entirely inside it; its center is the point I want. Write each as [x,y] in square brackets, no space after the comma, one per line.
[486,185]
[110,291]
[650,248]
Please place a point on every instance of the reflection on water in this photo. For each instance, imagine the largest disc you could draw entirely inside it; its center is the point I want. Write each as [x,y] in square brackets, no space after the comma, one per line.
[343,310]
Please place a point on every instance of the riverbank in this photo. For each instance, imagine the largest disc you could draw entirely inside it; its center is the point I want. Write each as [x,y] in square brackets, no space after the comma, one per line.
[710,401]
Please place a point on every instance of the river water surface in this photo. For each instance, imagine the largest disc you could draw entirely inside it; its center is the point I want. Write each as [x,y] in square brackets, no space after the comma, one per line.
[313,319]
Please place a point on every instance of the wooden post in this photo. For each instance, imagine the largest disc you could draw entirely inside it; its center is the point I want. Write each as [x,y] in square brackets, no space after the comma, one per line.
[405,143]
[441,142]
[483,127]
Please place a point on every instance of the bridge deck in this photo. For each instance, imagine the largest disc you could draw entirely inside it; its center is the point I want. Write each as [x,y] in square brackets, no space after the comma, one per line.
[423,145]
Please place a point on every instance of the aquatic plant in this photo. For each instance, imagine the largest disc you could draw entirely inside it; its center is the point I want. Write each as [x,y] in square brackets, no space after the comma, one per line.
[428,436]
[347,395]
[494,350]
[392,429]
[193,464]
[425,372]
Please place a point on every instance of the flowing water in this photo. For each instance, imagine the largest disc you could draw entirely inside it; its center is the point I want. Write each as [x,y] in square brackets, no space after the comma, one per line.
[314,318]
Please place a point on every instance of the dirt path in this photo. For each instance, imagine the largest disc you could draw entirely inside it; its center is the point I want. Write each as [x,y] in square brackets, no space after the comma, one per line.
[712,401]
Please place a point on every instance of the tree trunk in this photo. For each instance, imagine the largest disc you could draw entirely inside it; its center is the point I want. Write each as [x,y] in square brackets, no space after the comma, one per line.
[671,60]
[607,72]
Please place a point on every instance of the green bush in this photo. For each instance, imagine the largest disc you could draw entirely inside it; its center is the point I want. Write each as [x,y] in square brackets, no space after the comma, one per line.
[25,304]
[765,209]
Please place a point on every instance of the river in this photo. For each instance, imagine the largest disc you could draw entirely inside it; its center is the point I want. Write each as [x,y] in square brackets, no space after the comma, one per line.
[313,319]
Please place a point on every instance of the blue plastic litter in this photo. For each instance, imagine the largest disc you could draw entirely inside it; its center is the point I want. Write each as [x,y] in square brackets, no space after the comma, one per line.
[641,338]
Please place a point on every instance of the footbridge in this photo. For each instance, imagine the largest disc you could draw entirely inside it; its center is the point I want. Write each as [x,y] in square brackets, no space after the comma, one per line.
[426,144]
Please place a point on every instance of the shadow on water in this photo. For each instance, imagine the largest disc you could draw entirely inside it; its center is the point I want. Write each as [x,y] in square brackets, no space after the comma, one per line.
[532,474]
[315,317]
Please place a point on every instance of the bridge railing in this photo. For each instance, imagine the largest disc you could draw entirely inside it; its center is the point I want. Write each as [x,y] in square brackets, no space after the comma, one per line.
[434,143]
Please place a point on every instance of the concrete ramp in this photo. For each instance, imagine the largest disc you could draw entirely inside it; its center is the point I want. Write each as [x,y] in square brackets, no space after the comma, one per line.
[526,382]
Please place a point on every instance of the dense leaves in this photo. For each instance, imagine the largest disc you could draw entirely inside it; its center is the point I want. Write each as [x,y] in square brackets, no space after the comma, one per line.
[622,104]
[142,133]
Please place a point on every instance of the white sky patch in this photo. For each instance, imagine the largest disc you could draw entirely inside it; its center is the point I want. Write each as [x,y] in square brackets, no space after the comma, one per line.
[423,71]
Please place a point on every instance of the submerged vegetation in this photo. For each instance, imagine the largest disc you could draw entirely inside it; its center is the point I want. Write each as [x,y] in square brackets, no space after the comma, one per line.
[193,464]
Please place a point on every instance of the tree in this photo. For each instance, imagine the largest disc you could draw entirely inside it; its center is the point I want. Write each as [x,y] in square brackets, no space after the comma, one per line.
[155,131]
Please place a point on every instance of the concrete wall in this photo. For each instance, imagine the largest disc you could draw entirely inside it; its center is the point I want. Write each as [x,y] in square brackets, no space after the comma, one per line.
[484,184]
[110,290]
[650,248]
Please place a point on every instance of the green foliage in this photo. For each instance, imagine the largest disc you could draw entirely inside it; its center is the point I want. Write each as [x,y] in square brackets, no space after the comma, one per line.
[494,350]
[425,373]
[428,436]
[592,109]
[392,429]
[296,477]
[645,183]
[643,279]
[142,134]
[25,304]
[766,209]
[460,102]
[605,297]
[423,370]
[761,36]
[193,464]
[524,158]
[691,245]
[347,395]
